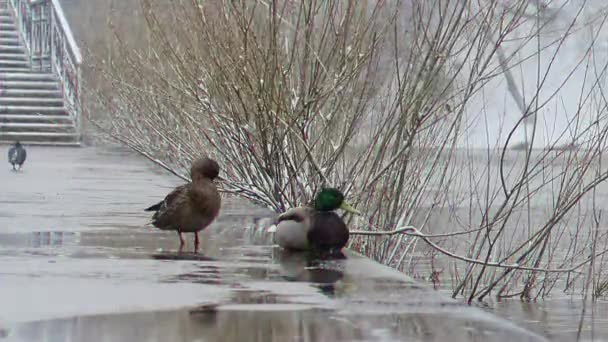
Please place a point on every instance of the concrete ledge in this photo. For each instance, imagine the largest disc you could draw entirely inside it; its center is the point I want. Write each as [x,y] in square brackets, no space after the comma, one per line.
[79,264]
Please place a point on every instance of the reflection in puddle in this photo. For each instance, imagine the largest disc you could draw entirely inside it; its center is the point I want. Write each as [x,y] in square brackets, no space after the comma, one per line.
[322,271]
[187,256]
[42,239]
[257,297]
[205,274]
[212,323]
[39,239]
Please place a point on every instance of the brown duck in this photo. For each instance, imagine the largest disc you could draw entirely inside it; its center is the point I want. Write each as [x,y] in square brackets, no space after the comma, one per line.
[191,207]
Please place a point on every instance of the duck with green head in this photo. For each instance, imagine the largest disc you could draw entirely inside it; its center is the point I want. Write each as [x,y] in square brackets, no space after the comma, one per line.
[315,228]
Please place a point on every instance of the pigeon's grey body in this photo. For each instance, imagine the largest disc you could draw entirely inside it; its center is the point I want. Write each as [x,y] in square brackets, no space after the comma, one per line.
[17,155]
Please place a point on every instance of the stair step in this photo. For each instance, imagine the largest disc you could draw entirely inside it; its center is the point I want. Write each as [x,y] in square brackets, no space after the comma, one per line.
[14,30]
[38,114]
[6,19]
[13,57]
[41,143]
[37,127]
[33,76]
[32,110]
[11,49]
[9,34]
[35,118]
[30,85]
[17,70]
[7,63]
[31,101]
[3,134]
[10,41]
[8,26]
[34,69]
[11,92]
[31,138]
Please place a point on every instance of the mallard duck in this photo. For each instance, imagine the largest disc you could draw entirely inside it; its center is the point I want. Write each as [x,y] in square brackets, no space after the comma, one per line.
[191,207]
[17,155]
[315,228]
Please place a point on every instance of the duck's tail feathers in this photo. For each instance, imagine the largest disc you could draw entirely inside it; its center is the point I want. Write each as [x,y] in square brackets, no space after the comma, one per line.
[155,207]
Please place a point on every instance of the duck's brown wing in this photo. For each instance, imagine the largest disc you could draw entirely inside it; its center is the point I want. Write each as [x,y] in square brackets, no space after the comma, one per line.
[166,208]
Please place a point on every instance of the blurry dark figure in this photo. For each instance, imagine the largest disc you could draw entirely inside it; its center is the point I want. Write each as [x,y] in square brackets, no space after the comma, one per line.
[17,155]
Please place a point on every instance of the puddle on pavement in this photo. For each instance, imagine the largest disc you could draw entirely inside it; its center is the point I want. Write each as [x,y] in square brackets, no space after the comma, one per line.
[177,256]
[276,323]
[271,296]
[264,286]
[86,268]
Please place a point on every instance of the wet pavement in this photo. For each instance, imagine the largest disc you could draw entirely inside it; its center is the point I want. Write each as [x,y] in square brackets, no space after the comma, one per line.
[78,262]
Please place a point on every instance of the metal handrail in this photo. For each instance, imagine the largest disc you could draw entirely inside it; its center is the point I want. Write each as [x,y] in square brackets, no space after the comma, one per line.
[50,45]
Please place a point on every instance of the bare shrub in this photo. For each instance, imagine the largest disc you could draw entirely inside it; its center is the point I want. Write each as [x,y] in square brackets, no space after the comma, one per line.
[375,98]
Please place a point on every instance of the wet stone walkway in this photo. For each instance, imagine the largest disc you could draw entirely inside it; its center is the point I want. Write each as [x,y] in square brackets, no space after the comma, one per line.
[79,263]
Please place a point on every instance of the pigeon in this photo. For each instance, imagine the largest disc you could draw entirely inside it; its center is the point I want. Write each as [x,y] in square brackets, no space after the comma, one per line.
[17,155]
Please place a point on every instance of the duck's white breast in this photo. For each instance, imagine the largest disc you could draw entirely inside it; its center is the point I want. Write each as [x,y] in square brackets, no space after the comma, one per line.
[291,235]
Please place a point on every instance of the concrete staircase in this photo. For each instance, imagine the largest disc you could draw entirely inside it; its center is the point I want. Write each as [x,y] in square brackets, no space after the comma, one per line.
[31,102]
